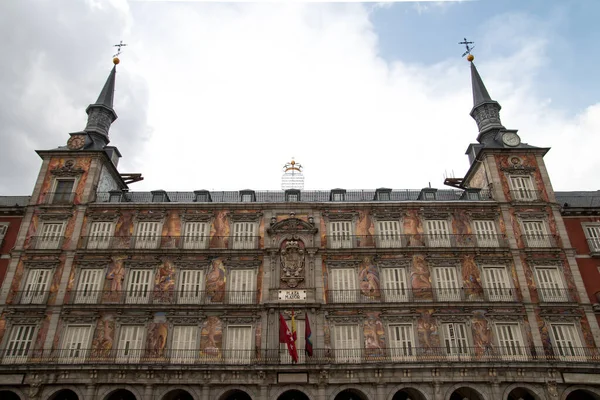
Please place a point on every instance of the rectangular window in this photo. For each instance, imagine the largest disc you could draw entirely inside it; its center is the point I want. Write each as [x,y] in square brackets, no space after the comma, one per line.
[88,289]
[130,344]
[284,354]
[246,198]
[522,188]
[566,342]
[148,235]
[63,193]
[446,287]
[535,234]
[550,286]
[138,287]
[19,344]
[191,286]
[510,341]
[185,344]
[36,286]
[3,230]
[242,286]
[455,339]
[75,346]
[195,235]
[343,285]
[593,235]
[52,234]
[347,344]
[100,235]
[239,344]
[388,234]
[395,288]
[497,286]
[340,235]
[485,232]
[244,235]
[402,342]
[338,196]
[437,233]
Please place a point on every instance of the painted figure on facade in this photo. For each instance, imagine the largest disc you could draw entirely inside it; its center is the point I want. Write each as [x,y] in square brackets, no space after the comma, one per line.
[215,281]
[413,228]
[157,339]
[462,228]
[374,336]
[114,278]
[471,278]
[482,334]
[364,229]
[103,338]
[368,278]
[219,231]
[427,331]
[420,278]
[211,337]
[164,282]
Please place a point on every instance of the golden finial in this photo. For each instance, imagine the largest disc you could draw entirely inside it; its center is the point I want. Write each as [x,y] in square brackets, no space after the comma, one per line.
[470,56]
[116,60]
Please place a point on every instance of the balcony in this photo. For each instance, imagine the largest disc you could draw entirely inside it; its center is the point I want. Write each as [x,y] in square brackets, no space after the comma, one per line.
[168,242]
[555,295]
[59,198]
[341,241]
[494,294]
[30,297]
[539,241]
[594,244]
[140,296]
[525,195]
[45,243]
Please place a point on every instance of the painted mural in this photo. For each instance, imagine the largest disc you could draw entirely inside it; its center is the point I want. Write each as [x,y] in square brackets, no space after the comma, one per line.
[420,278]
[124,227]
[56,278]
[365,229]
[526,161]
[215,281]
[482,333]
[157,339]
[219,231]
[43,332]
[113,284]
[164,282]
[79,163]
[368,278]
[427,332]
[413,227]
[461,227]
[14,285]
[211,338]
[2,326]
[374,335]
[471,278]
[327,339]
[104,336]
[479,179]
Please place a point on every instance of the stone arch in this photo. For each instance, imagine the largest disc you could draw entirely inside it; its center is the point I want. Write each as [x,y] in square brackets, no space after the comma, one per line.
[363,392]
[229,389]
[15,391]
[52,391]
[107,391]
[536,391]
[422,389]
[279,391]
[163,391]
[484,394]
[571,389]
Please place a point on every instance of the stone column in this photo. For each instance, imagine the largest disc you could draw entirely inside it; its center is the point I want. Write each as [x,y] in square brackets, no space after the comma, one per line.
[90,392]
[148,395]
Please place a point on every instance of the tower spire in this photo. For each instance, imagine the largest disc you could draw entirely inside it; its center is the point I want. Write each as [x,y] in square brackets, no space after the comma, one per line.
[486,112]
[101,114]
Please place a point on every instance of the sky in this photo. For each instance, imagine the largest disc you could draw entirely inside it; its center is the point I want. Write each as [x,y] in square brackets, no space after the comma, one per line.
[220,96]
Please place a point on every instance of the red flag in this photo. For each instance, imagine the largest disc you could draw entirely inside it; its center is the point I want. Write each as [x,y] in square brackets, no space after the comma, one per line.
[307,339]
[285,336]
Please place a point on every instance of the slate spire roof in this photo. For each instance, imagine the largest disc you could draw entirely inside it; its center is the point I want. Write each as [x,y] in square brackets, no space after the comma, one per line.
[101,114]
[480,93]
[486,112]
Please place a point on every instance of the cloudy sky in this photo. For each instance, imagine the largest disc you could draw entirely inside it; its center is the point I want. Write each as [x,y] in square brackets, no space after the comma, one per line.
[220,95]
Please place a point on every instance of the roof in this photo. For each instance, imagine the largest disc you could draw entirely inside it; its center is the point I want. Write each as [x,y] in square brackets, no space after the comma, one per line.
[14,201]
[579,199]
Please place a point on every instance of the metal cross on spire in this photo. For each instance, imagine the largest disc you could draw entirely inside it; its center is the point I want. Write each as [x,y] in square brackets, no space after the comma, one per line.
[469,48]
[121,44]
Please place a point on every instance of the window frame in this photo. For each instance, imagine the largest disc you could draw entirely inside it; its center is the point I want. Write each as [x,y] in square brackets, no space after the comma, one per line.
[577,352]
[121,357]
[525,193]
[401,353]
[242,296]
[189,241]
[558,286]
[521,350]
[480,236]
[4,226]
[446,293]
[189,355]
[94,298]
[199,293]
[389,294]
[45,242]
[70,195]
[590,238]
[233,356]
[343,295]
[468,340]
[444,239]
[100,241]
[22,357]
[389,238]
[137,299]
[342,238]
[541,239]
[66,350]
[348,355]
[506,293]
[241,239]
[148,241]
[37,296]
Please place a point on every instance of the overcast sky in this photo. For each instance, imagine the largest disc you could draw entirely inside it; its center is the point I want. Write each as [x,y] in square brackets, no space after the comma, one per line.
[220,96]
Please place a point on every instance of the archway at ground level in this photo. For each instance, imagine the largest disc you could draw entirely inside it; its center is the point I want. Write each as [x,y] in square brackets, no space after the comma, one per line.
[8,395]
[521,394]
[582,394]
[236,394]
[465,393]
[408,394]
[64,394]
[351,394]
[121,394]
[292,395]
[178,394]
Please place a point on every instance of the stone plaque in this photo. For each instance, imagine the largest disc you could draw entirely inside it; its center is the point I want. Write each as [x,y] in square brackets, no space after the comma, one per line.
[592,379]
[292,377]
[11,379]
[292,295]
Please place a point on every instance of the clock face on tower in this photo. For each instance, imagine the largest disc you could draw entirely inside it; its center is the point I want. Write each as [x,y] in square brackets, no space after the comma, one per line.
[76,142]
[511,139]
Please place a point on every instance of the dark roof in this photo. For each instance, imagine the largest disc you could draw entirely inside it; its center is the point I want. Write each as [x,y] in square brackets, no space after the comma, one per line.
[480,93]
[579,199]
[14,201]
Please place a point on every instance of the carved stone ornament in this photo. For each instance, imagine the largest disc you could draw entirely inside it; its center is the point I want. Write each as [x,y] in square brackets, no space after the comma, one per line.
[17,318]
[68,169]
[292,264]
[133,319]
[41,263]
[106,216]
[96,263]
[196,217]
[506,317]
[399,317]
[553,317]
[237,263]
[246,217]
[442,262]
[343,319]
[342,263]
[292,225]
[192,264]
[428,213]
[485,261]
[340,216]
[80,318]
[59,216]
[151,215]
[532,215]
[185,320]
[142,263]
[518,169]
[453,317]
[386,215]
[484,214]
[237,319]
[402,263]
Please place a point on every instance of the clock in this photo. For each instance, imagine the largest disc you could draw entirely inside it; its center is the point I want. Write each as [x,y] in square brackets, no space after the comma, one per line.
[511,139]
[76,142]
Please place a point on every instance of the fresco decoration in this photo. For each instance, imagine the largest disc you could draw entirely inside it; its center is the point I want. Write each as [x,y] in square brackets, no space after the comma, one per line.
[72,164]
[113,284]
[43,332]
[257,340]
[261,233]
[516,228]
[427,331]
[368,278]
[365,229]
[215,281]
[104,336]
[529,163]
[106,183]
[325,279]
[172,225]
[420,278]
[327,339]
[482,333]
[544,333]
[124,227]
[479,178]
[568,274]
[413,227]
[530,280]
[219,230]
[157,339]
[2,326]
[211,338]
[164,282]
[56,278]
[32,228]
[528,335]
[515,281]
[588,338]
[259,281]
[461,227]
[323,231]
[374,335]
[471,278]
[16,282]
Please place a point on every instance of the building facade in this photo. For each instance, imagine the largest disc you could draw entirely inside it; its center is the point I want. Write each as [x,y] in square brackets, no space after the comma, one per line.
[12,209]
[468,293]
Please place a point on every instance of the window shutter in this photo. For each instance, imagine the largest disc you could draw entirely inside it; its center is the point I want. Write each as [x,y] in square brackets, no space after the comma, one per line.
[340,234]
[51,236]
[347,346]
[36,286]
[19,343]
[593,234]
[138,290]
[89,286]
[239,344]
[446,285]
[566,340]
[148,235]
[522,188]
[394,283]
[535,233]
[389,234]
[402,342]
[191,286]
[76,343]
[195,235]
[497,285]
[130,343]
[550,284]
[184,343]
[344,285]
[509,340]
[485,231]
[244,235]
[455,338]
[437,230]
[100,233]
[242,287]
[3,229]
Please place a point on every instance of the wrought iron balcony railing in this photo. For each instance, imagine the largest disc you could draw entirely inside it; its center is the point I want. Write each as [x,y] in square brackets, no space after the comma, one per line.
[341,241]
[59,198]
[594,244]
[45,242]
[157,297]
[493,294]
[556,295]
[33,296]
[151,242]
[539,240]
[215,356]
[525,195]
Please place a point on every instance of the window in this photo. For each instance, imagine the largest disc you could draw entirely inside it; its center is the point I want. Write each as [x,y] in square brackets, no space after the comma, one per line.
[19,344]
[244,235]
[202,197]
[402,342]
[497,286]
[455,339]
[88,288]
[239,344]
[510,341]
[566,341]
[292,195]
[51,237]
[522,188]
[130,344]
[138,287]
[437,233]
[195,235]
[191,286]
[284,354]
[63,192]
[246,198]
[242,286]
[593,236]
[3,230]
[337,195]
[183,348]
[148,235]
[36,286]
[343,285]
[485,232]
[347,344]
[75,346]
[394,285]
[340,234]
[388,234]
[446,288]
[101,233]
[550,286]
[535,234]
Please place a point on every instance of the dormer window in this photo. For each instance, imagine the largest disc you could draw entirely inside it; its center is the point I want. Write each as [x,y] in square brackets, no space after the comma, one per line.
[292,195]
[202,196]
[247,196]
[63,192]
[159,196]
[383,194]
[428,194]
[338,195]
[470,194]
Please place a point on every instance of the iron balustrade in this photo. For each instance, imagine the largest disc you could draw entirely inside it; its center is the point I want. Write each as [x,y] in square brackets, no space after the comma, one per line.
[594,245]
[279,356]
[158,297]
[33,296]
[475,294]
[531,240]
[151,242]
[59,198]
[45,242]
[556,295]
[342,241]
[525,195]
